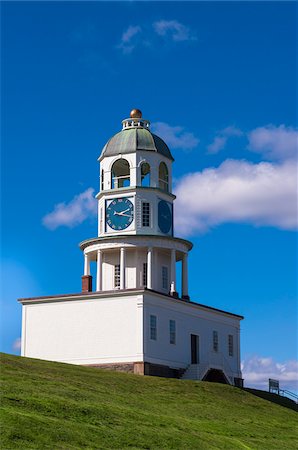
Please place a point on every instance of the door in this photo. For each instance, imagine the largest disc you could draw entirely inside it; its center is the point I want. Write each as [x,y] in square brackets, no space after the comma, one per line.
[194,343]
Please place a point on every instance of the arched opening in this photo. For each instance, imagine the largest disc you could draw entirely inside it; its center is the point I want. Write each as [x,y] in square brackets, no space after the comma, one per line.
[120,174]
[163,177]
[145,174]
[102,180]
[215,376]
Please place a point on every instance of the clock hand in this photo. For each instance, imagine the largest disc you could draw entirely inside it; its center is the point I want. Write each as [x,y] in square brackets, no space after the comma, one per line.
[122,213]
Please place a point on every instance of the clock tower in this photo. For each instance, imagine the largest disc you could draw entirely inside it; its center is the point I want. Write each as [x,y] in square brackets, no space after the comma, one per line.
[136,247]
[133,319]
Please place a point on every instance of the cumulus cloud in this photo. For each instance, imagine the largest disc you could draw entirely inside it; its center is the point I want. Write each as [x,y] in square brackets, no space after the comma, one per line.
[16,346]
[73,213]
[277,143]
[257,370]
[129,39]
[177,31]
[263,194]
[222,137]
[175,137]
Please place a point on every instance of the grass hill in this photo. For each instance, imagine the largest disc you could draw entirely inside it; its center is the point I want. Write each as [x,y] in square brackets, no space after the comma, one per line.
[48,405]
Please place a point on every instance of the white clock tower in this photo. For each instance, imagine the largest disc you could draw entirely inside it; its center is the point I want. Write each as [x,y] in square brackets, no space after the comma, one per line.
[133,319]
[136,246]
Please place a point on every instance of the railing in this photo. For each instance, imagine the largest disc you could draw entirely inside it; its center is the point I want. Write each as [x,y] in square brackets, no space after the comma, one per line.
[289,394]
[216,361]
[219,361]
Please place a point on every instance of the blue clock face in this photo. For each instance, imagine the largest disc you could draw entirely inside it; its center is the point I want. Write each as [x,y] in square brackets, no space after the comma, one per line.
[119,213]
[164,216]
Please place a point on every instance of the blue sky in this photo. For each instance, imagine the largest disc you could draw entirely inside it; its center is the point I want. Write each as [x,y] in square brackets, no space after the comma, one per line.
[218,83]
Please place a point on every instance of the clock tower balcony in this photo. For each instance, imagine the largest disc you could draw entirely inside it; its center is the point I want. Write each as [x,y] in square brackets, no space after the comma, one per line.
[135,262]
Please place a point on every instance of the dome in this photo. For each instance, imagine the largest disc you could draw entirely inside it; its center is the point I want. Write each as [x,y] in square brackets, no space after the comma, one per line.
[135,136]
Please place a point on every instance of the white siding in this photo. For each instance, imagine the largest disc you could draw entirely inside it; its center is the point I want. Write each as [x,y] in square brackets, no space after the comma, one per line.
[115,328]
[89,331]
[190,320]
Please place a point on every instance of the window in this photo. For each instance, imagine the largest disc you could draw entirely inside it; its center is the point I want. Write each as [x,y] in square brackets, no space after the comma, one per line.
[231,345]
[163,176]
[146,214]
[165,278]
[102,180]
[153,328]
[215,341]
[120,174]
[117,275]
[172,332]
[145,274]
[145,174]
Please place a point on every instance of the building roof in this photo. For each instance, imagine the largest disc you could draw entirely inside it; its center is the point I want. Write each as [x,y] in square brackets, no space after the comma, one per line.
[134,138]
[100,294]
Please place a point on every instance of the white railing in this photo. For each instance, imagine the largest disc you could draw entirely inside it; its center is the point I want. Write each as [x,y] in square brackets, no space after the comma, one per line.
[216,360]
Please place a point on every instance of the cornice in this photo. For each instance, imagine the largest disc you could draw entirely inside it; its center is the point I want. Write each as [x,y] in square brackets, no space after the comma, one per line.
[133,237]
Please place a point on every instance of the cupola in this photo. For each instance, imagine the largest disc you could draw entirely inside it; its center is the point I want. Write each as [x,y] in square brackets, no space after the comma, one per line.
[135,135]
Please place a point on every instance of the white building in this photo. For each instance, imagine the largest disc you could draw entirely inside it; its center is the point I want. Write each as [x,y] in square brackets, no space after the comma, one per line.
[135,320]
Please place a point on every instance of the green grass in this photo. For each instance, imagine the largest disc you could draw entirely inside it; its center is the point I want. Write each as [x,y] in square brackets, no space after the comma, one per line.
[48,405]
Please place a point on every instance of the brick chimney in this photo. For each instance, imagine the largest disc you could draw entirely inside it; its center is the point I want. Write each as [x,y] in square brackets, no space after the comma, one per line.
[86,283]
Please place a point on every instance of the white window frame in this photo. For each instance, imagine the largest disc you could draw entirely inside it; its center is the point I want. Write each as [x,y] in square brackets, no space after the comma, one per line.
[144,275]
[215,344]
[165,280]
[153,327]
[117,276]
[147,214]
[172,330]
[231,345]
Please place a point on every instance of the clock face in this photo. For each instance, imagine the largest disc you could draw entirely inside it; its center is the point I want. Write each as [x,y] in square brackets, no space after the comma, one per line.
[164,216]
[119,213]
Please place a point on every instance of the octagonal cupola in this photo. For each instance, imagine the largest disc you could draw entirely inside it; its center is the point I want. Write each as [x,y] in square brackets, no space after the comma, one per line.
[135,136]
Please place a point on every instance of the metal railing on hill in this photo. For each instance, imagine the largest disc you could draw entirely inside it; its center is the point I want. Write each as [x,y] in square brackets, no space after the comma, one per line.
[289,394]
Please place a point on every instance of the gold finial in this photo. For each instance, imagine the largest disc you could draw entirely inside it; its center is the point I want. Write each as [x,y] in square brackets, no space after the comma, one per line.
[135,113]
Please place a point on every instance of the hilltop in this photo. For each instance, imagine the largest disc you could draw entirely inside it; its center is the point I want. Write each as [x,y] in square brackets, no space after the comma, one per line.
[47,405]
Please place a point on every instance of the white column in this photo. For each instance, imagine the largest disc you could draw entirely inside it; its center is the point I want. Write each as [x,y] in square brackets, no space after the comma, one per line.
[86,264]
[122,268]
[173,270]
[99,271]
[184,275]
[149,267]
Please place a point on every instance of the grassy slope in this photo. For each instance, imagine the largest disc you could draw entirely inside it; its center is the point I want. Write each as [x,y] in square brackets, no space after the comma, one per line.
[60,406]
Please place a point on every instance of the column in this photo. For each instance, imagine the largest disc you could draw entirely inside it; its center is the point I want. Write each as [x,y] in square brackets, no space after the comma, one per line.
[86,264]
[99,271]
[173,270]
[184,276]
[122,268]
[149,267]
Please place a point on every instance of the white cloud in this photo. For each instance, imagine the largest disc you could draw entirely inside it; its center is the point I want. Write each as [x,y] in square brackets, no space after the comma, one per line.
[257,370]
[136,35]
[175,137]
[263,194]
[218,144]
[221,138]
[73,213]
[17,344]
[129,39]
[278,143]
[232,131]
[174,29]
